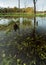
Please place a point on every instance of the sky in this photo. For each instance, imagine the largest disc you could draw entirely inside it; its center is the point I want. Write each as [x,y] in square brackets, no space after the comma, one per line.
[41,4]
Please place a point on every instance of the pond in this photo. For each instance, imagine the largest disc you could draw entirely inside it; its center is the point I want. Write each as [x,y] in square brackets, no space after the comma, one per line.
[22,41]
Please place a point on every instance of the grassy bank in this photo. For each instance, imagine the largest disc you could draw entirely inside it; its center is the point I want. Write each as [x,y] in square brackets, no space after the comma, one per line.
[20,15]
[16,15]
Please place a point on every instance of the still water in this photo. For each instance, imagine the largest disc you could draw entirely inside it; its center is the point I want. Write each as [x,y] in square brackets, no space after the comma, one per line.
[17,43]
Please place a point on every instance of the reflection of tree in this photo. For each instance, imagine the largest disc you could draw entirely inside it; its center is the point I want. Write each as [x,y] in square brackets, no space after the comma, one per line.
[16,27]
[26,22]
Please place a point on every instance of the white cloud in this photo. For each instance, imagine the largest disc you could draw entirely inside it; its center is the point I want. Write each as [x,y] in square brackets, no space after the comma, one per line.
[41,4]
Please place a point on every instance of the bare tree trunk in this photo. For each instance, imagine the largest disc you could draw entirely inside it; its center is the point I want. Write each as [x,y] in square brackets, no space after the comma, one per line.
[34,11]
[34,1]
[19,4]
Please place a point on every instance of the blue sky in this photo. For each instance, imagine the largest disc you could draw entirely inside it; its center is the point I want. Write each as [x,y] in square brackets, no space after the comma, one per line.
[41,4]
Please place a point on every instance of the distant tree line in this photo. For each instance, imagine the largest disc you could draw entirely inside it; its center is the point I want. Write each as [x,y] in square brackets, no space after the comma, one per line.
[9,10]
[15,9]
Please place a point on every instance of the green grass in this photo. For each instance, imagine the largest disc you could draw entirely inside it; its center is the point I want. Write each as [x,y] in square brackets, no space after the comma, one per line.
[41,15]
[20,15]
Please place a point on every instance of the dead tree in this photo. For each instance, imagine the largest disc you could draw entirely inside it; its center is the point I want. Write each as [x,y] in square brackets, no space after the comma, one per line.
[34,1]
[19,4]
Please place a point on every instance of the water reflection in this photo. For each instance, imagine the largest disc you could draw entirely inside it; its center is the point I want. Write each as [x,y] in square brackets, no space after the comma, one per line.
[5,21]
[18,47]
[25,23]
[16,27]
